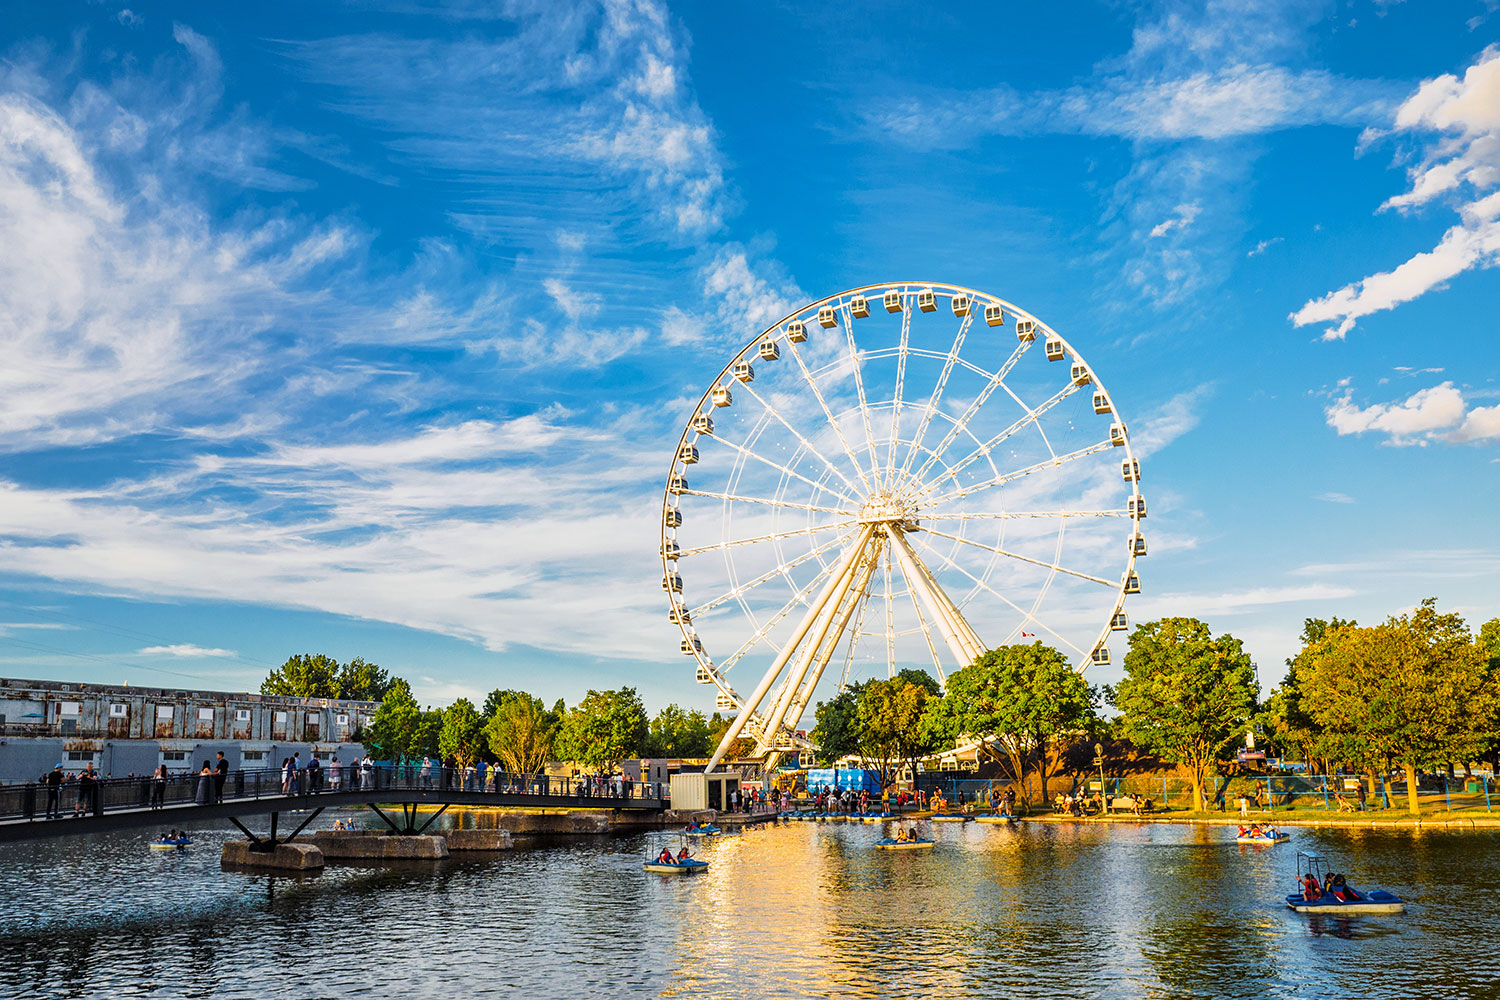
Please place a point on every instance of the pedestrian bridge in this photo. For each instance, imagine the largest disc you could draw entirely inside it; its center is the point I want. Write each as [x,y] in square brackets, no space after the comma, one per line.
[130,803]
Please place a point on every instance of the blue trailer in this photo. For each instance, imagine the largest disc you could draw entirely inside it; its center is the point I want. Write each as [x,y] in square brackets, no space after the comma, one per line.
[840,779]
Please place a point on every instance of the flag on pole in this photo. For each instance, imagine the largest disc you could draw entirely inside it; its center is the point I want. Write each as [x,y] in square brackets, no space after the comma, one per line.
[1028,635]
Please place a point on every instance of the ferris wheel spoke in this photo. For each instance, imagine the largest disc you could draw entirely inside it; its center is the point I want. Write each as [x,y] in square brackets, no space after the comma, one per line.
[799,598]
[1053,566]
[996,380]
[1027,615]
[838,431]
[752,453]
[1033,416]
[859,388]
[937,392]
[773,536]
[888,480]
[1018,514]
[798,435]
[740,498]
[770,574]
[1007,477]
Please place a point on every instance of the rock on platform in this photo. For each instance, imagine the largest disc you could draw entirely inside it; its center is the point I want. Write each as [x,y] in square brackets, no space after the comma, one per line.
[288,857]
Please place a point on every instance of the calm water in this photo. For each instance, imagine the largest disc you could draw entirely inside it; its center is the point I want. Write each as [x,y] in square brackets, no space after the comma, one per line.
[796,910]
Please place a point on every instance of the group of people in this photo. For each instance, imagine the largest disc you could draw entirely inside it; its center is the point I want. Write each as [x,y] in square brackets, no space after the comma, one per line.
[1257,831]
[86,783]
[665,857]
[297,778]
[173,836]
[1333,885]
[907,835]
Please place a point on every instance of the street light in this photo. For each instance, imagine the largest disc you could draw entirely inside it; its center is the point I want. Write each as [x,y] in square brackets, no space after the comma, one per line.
[1099,759]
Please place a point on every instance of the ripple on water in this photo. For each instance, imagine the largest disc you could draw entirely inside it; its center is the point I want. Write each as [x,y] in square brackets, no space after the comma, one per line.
[798,910]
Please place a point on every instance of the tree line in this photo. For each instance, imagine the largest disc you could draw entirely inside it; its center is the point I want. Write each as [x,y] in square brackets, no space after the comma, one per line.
[1414,692]
[515,729]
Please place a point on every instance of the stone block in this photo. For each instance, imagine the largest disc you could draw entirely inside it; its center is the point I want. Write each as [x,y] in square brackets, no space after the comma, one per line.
[366,845]
[478,840]
[286,857]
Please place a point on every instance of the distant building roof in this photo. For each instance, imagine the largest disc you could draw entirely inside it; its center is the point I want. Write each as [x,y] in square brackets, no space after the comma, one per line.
[19,685]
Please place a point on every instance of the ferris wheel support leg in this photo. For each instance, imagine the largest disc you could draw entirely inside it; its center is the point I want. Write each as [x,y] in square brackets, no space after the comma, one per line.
[960,637]
[826,652]
[837,582]
[816,654]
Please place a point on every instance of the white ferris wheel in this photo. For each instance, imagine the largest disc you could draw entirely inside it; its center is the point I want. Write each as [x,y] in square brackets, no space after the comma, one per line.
[881,478]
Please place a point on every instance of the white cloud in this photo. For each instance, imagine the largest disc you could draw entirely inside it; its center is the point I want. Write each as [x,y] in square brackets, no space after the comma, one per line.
[1263,246]
[1211,605]
[186,650]
[1333,496]
[1182,220]
[1437,413]
[1465,153]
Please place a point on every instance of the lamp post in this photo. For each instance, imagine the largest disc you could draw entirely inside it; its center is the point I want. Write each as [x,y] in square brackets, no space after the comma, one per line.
[1099,760]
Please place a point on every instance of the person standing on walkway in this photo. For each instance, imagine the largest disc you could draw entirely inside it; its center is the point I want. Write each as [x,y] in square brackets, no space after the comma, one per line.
[297,776]
[426,772]
[221,773]
[205,785]
[88,785]
[159,786]
[54,782]
[286,776]
[367,772]
[314,774]
[335,774]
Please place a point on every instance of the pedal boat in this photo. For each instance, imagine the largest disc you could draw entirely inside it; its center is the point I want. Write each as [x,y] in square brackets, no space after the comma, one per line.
[892,844]
[1343,899]
[689,867]
[1269,837]
[171,845]
[706,830]
[1005,820]
[952,818]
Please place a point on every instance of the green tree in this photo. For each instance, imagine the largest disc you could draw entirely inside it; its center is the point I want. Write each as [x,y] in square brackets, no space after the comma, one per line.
[462,734]
[498,697]
[520,732]
[889,720]
[1185,695]
[604,729]
[1412,689]
[1017,701]
[394,725]
[361,680]
[676,732]
[304,675]
[718,727]
[425,737]
[836,726]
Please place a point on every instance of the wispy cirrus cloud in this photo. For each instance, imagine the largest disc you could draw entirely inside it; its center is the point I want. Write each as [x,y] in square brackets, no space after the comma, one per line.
[188,651]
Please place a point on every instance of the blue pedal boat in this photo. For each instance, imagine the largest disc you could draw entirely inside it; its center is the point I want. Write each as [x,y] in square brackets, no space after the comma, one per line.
[1340,897]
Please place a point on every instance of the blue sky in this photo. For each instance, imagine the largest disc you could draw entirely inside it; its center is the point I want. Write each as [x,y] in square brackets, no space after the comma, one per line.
[369,328]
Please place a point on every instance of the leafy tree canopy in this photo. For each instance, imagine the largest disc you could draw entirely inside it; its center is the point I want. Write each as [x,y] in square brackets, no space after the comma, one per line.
[520,732]
[308,675]
[1014,699]
[460,735]
[394,725]
[1185,695]
[604,729]
[889,717]
[679,733]
[1413,689]
[836,726]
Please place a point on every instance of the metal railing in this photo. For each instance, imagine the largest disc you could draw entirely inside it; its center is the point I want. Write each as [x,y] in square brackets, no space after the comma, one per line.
[35,800]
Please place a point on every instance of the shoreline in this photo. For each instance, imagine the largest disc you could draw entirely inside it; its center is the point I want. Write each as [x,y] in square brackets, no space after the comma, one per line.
[1404,822]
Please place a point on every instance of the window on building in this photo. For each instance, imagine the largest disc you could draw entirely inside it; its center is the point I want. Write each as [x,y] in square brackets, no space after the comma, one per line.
[173,756]
[119,711]
[343,720]
[163,713]
[253,756]
[242,715]
[205,715]
[82,756]
[281,718]
[312,718]
[70,708]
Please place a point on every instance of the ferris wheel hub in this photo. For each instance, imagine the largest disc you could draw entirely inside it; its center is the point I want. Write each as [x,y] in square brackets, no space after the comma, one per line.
[885,508]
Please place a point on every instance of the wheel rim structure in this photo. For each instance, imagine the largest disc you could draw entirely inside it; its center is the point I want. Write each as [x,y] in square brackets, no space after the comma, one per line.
[878,479]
